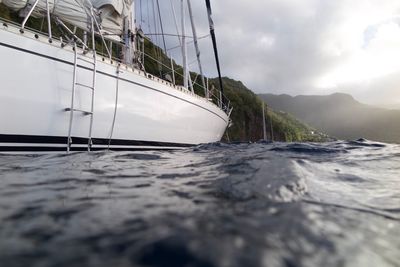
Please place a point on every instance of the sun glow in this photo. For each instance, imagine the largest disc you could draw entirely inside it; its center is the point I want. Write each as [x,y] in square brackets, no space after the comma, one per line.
[376,56]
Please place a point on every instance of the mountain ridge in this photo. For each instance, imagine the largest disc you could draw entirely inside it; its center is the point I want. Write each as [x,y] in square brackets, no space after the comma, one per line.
[340,115]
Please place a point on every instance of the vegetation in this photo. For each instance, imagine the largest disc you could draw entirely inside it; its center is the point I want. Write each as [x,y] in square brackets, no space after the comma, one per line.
[247,124]
[247,118]
[341,116]
[158,64]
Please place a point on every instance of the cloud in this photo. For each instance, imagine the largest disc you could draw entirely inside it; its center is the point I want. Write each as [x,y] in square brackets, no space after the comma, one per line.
[374,60]
[303,46]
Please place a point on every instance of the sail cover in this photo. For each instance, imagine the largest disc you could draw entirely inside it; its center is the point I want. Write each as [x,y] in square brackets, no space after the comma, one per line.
[110,14]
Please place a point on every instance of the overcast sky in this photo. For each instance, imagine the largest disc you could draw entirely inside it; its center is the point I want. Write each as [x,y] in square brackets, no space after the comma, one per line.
[299,46]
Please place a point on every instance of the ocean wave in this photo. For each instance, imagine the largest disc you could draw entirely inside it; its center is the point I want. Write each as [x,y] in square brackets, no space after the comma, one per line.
[242,204]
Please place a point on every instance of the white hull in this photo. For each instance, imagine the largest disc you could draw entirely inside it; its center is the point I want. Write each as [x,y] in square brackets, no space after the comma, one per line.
[36,80]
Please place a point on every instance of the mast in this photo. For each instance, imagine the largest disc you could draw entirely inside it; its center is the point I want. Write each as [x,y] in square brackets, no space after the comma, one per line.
[196,46]
[128,47]
[264,124]
[128,36]
[214,41]
[271,128]
[184,47]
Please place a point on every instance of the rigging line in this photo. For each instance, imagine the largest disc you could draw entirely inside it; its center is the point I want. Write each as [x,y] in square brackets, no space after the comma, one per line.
[115,109]
[196,45]
[141,13]
[174,47]
[176,22]
[184,48]
[177,35]
[177,31]
[161,25]
[191,63]
[156,51]
[179,46]
[148,16]
[214,42]
[154,21]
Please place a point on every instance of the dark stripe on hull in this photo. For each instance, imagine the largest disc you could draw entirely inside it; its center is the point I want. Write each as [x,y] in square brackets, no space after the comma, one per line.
[46,143]
[73,149]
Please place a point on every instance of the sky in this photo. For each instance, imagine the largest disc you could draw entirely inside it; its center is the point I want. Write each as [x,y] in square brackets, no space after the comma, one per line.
[296,46]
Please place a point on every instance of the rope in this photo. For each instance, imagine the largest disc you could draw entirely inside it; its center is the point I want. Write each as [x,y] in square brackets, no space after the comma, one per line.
[161,25]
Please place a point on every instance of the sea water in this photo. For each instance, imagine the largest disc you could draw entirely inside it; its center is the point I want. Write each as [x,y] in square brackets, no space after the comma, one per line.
[260,204]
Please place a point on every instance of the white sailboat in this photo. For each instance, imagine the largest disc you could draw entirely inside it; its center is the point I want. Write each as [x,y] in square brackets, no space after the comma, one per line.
[59,94]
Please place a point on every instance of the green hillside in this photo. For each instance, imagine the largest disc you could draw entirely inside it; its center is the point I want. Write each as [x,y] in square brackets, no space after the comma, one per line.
[341,115]
[247,118]
[247,113]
